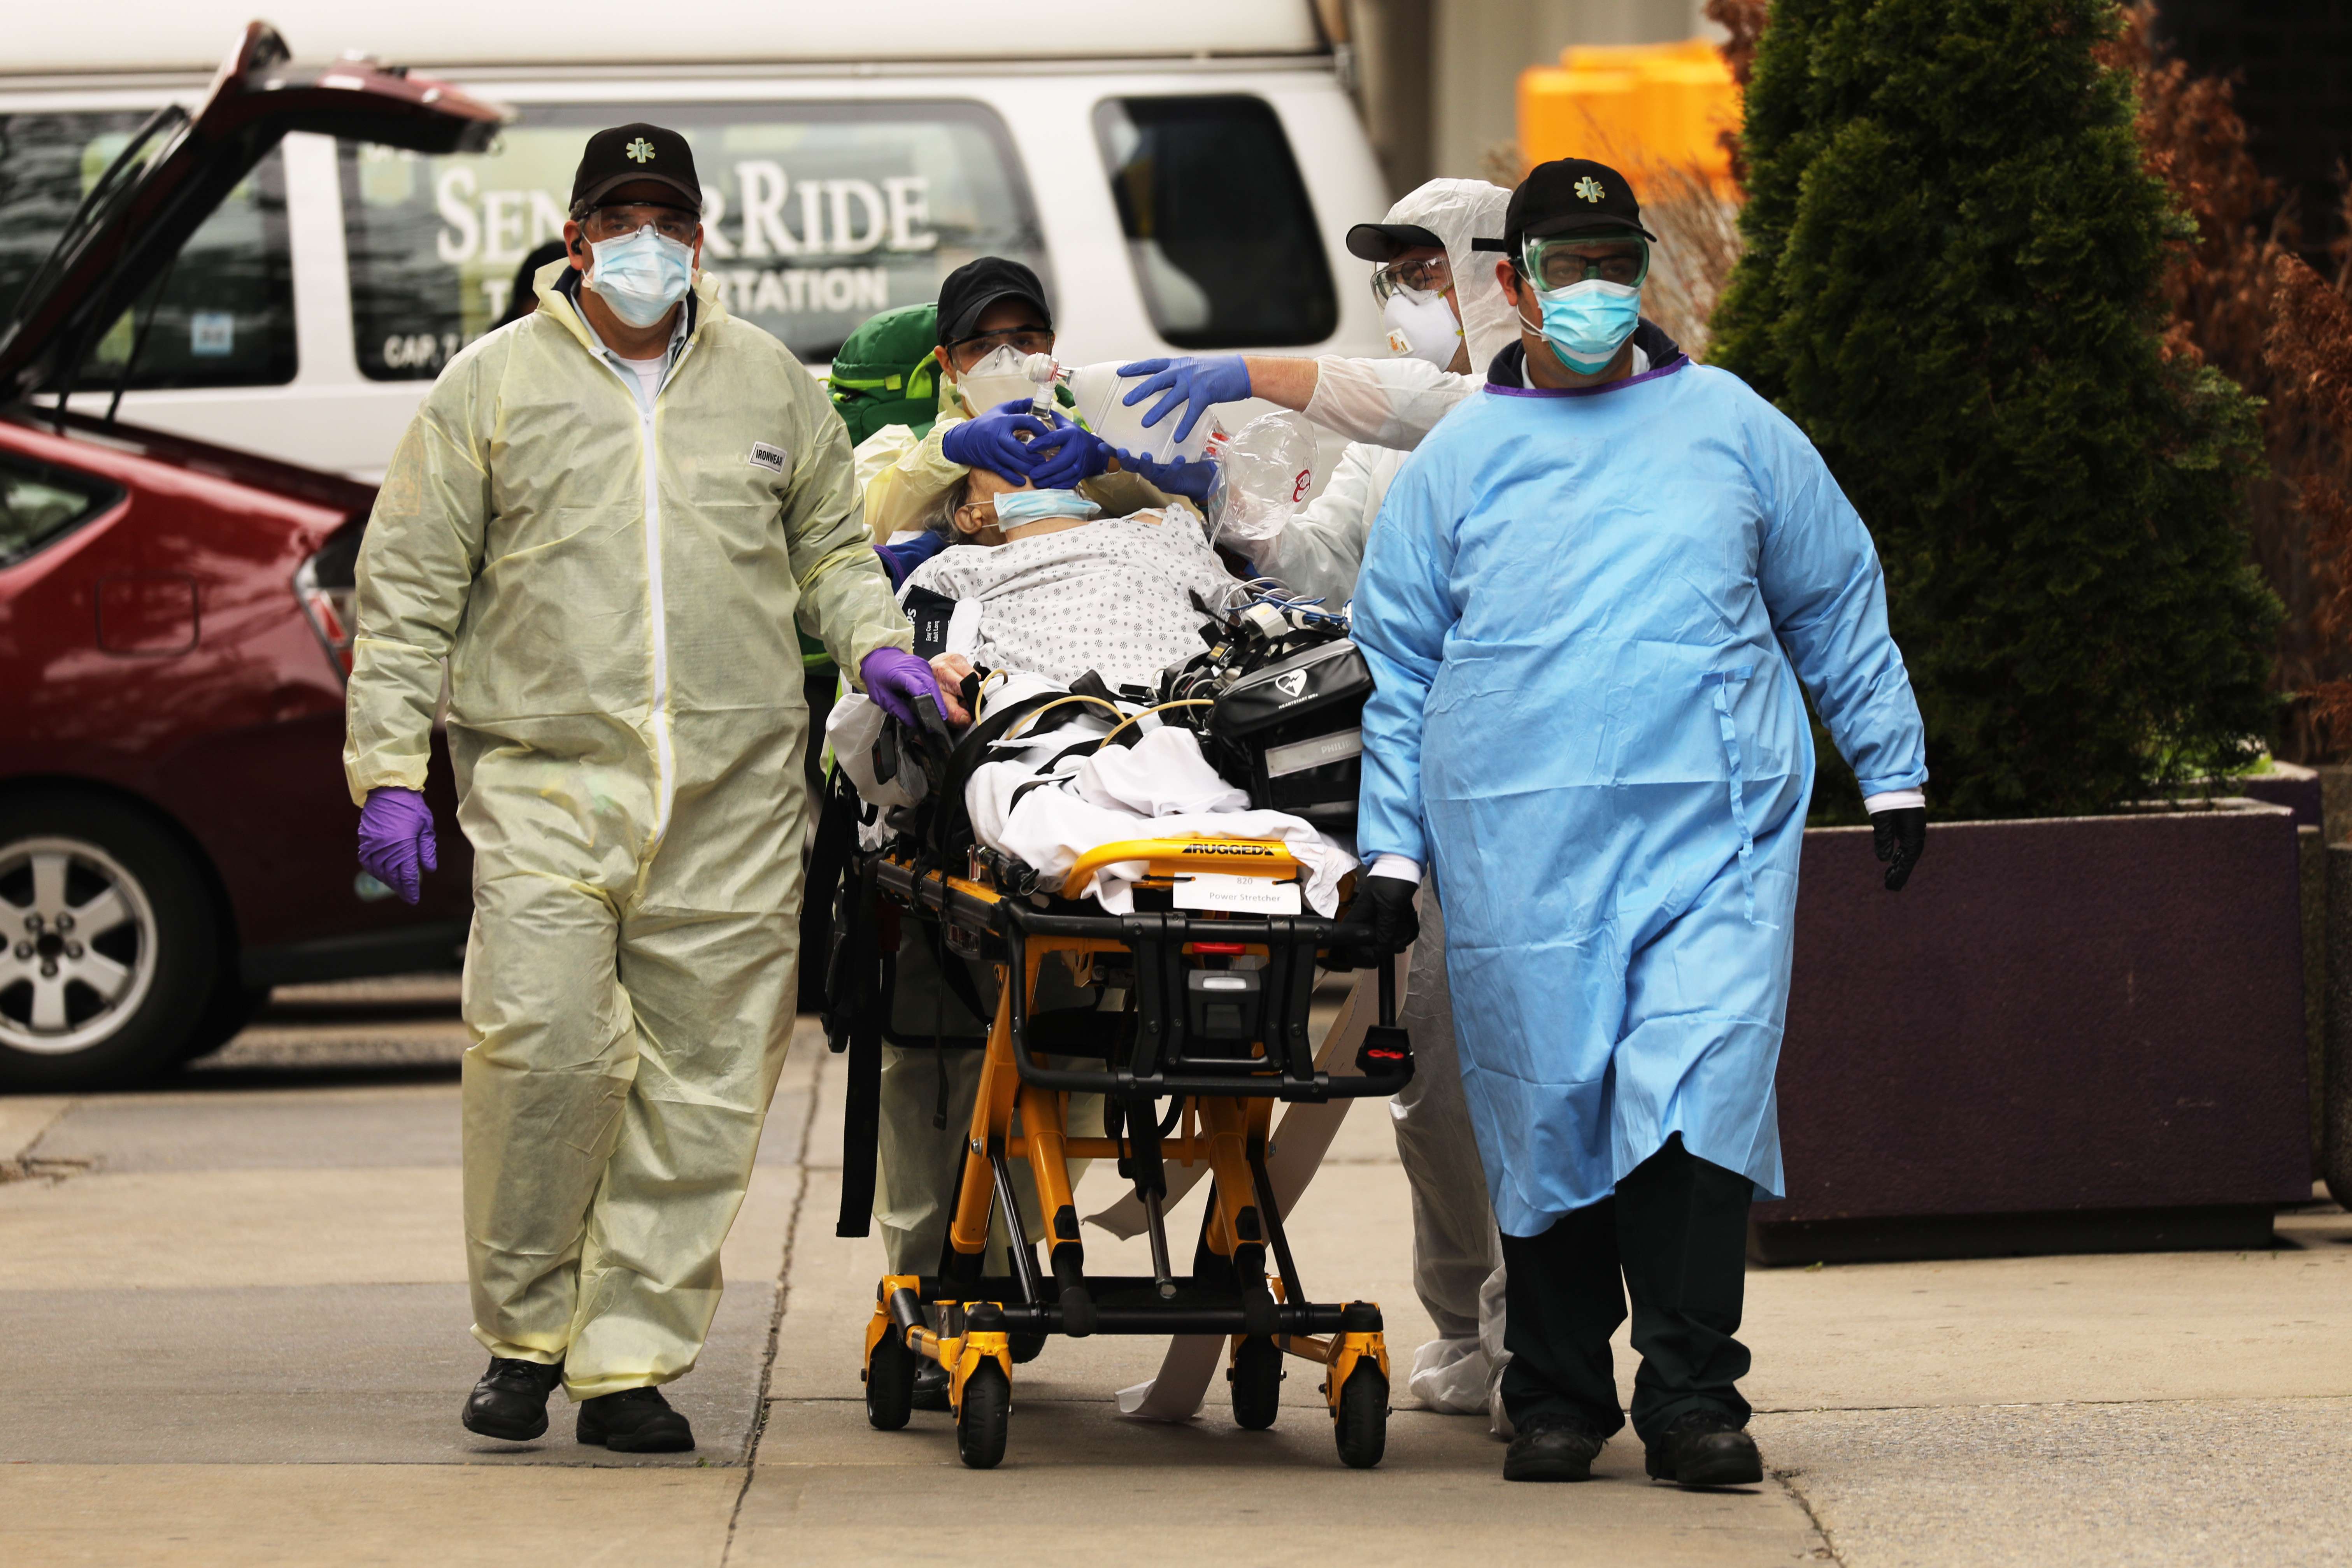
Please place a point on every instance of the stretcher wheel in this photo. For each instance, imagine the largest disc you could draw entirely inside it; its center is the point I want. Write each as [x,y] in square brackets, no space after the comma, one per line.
[987,1412]
[1362,1428]
[890,1383]
[1028,1346]
[1256,1377]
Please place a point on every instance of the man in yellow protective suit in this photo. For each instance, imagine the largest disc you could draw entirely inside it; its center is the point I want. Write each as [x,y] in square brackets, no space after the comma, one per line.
[607,518]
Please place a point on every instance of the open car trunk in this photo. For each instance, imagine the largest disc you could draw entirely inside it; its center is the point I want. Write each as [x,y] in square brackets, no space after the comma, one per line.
[179,167]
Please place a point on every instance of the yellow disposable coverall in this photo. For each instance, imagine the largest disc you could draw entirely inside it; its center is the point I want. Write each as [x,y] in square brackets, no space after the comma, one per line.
[615,594]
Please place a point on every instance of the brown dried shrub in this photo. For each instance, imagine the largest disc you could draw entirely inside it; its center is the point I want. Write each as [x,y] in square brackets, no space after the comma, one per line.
[1743,21]
[2222,288]
[1697,227]
[2308,348]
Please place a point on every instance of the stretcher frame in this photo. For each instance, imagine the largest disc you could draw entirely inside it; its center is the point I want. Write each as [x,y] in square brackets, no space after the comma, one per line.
[1223,1112]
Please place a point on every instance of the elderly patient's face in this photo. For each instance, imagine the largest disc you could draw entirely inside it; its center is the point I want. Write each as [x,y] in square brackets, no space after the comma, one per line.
[975,516]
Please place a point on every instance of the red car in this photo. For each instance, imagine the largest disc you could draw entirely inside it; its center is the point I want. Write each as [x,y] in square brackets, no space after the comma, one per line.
[175,836]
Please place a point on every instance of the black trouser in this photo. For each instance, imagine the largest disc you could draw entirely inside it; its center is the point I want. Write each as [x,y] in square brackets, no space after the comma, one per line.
[1677,1228]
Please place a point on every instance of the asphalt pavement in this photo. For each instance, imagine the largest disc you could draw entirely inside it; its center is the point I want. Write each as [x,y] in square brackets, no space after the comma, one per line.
[236,1312]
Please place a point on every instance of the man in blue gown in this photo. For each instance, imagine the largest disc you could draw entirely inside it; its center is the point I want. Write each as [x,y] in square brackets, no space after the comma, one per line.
[1590,601]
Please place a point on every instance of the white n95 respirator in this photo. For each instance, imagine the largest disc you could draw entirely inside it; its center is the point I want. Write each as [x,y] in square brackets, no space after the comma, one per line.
[1421,326]
[1003,374]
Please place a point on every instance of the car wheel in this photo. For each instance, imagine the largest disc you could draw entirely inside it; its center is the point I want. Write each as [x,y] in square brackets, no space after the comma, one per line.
[112,949]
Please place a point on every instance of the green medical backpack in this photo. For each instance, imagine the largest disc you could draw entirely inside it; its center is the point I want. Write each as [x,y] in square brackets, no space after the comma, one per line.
[884,374]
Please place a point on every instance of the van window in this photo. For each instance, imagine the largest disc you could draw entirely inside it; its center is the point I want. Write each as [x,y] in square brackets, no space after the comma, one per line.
[815,216]
[39,501]
[225,313]
[1219,228]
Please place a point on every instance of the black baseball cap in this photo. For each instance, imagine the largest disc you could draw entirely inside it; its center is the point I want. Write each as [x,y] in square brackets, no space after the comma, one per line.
[630,155]
[1384,242]
[976,285]
[1567,196]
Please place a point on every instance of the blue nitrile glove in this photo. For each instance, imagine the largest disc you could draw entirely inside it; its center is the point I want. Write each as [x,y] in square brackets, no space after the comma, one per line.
[1192,476]
[1066,456]
[1194,382]
[895,679]
[993,440]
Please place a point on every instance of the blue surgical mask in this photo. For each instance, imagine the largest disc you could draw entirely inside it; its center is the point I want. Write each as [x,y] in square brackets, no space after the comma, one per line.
[641,275]
[1586,323]
[1018,509]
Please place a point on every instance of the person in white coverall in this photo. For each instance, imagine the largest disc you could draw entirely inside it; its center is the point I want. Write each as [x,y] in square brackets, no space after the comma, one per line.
[1446,319]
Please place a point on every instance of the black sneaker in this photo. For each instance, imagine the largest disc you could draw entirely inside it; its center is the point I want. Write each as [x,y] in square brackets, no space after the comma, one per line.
[635,1421]
[931,1386]
[1551,1449]
[510,1402]
[1705,1449]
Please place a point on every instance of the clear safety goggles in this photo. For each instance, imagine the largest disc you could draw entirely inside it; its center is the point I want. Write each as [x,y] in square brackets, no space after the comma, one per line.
[1563,260]
[671,223]
[1414,279]
[969,352]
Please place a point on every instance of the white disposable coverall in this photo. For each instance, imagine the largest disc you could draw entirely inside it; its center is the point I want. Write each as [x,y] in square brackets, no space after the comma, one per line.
[1387,407]
[614,590]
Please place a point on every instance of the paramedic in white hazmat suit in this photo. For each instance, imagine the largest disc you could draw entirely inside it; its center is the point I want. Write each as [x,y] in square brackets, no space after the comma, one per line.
[607,518]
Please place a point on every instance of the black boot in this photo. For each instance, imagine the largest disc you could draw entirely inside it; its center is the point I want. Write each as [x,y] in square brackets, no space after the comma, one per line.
[1551,1448]
[510,1402]
[931,1386]
[635,1421]
[1705,1449]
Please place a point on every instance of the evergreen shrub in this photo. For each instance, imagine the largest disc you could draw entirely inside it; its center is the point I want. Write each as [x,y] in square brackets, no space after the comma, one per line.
[1951,282]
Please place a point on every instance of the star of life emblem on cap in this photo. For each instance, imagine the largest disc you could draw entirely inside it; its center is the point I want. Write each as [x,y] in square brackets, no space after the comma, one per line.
[1589,189]
[642,150]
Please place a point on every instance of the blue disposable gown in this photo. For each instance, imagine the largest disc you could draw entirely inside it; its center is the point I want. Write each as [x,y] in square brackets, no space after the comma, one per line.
[1588,613]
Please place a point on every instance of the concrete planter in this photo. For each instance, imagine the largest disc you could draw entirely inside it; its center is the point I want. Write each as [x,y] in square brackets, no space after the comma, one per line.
[2074,1034]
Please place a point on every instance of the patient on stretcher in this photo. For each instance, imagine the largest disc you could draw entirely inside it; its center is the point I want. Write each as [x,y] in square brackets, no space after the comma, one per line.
[1045,593]
[1045,586]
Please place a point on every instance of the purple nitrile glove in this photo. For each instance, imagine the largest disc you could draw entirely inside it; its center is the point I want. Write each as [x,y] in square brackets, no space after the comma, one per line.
[993,440]
[895,679]
[1193,383]
[395,834]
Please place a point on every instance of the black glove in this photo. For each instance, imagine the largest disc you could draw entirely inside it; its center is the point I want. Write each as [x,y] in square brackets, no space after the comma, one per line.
[1381,922]
[1900,836]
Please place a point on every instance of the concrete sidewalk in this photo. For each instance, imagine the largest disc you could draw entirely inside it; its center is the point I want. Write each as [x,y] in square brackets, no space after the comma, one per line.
[235,1332]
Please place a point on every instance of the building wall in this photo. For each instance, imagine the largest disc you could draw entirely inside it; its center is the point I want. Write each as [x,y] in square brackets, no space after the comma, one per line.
[1479,46]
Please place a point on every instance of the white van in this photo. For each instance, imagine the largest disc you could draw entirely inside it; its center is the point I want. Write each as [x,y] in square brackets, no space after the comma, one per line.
[1182,177]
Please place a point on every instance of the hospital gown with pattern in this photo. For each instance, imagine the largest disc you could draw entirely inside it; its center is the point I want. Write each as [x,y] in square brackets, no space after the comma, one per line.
[1113,596]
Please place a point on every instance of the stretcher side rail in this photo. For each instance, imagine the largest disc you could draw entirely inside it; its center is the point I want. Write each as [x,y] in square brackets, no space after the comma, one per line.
[1156,942]
[1156,1063]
